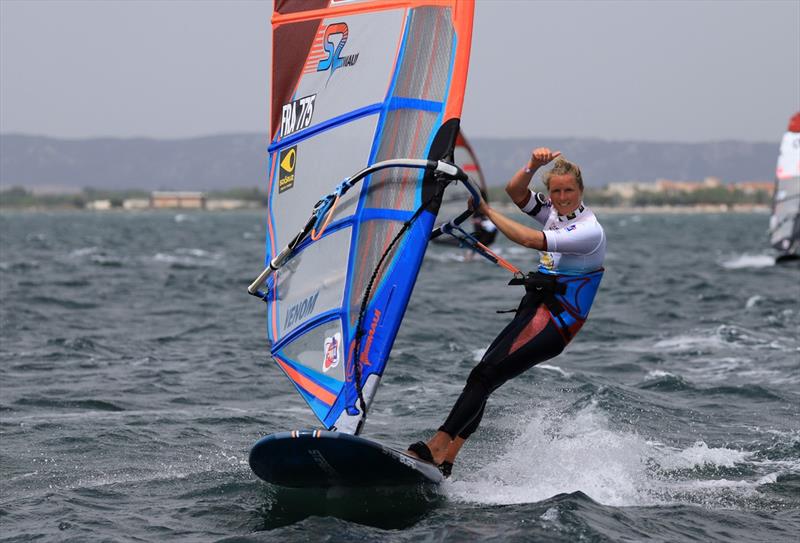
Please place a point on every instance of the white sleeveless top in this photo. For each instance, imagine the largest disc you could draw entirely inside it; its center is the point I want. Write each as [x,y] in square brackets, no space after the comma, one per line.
[576,243]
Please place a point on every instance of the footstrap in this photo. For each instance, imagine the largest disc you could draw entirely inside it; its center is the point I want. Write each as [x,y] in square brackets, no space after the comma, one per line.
[422,451]
[446,468]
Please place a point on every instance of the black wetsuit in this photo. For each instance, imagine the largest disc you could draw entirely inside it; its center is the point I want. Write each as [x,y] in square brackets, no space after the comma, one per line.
[530,338]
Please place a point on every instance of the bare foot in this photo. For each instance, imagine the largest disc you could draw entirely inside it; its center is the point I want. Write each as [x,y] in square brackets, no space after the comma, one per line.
[437,445]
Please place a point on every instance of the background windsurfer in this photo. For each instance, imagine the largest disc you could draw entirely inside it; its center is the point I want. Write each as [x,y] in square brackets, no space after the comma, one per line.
[557,297]
[484,229]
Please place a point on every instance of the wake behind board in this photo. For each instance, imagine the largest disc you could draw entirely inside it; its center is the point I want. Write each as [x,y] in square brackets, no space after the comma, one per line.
[319,458]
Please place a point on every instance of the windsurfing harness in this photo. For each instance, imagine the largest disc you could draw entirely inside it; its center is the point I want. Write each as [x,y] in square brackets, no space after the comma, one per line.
[568,298]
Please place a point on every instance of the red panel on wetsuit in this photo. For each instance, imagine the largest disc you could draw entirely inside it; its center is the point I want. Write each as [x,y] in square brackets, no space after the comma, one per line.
[532,329]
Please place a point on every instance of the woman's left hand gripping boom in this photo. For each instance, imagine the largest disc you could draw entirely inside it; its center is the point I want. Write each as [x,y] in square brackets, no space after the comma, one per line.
[516,232]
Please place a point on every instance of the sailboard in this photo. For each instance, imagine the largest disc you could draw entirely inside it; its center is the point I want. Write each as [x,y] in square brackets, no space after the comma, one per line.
[337,459]
[365,107]
[784,224]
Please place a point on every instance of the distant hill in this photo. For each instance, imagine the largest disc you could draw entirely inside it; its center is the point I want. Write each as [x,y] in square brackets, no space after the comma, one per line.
[208,163]
[604,162]
[239,160]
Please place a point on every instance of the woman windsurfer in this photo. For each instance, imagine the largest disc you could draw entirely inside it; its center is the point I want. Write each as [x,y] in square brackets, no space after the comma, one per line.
[557,299]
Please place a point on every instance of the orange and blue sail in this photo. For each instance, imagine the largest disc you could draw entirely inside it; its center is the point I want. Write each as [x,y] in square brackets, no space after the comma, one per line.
[355,83]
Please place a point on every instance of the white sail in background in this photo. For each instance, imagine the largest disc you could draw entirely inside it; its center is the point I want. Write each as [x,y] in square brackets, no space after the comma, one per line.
[785,220]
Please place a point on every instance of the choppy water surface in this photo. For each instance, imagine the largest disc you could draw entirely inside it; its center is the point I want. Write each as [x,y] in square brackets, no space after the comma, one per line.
[134,379]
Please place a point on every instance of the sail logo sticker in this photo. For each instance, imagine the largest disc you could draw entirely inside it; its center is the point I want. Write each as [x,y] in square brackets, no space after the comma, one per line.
[376,319]
[297,114]
[332,350]
[300,310]
[287,160]
[333,42]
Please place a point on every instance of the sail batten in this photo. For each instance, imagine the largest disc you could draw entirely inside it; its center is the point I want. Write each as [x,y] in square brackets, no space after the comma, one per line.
[355,83]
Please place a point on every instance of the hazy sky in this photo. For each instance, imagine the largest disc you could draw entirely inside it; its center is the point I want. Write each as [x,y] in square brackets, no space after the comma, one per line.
[658,71]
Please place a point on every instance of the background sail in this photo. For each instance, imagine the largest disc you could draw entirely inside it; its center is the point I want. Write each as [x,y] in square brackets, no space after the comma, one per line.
[354,83]
[455,199]
[466,158]
[785,220]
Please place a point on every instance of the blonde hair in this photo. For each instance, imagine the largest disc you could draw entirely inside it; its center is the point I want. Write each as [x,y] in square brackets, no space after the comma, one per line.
[563,166]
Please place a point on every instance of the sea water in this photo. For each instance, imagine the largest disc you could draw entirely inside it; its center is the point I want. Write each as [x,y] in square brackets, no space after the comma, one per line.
[134,378]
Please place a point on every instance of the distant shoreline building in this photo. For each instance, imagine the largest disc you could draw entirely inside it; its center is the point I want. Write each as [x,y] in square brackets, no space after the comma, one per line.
[99,205]
[177,200]
[136,203]
[627,190]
